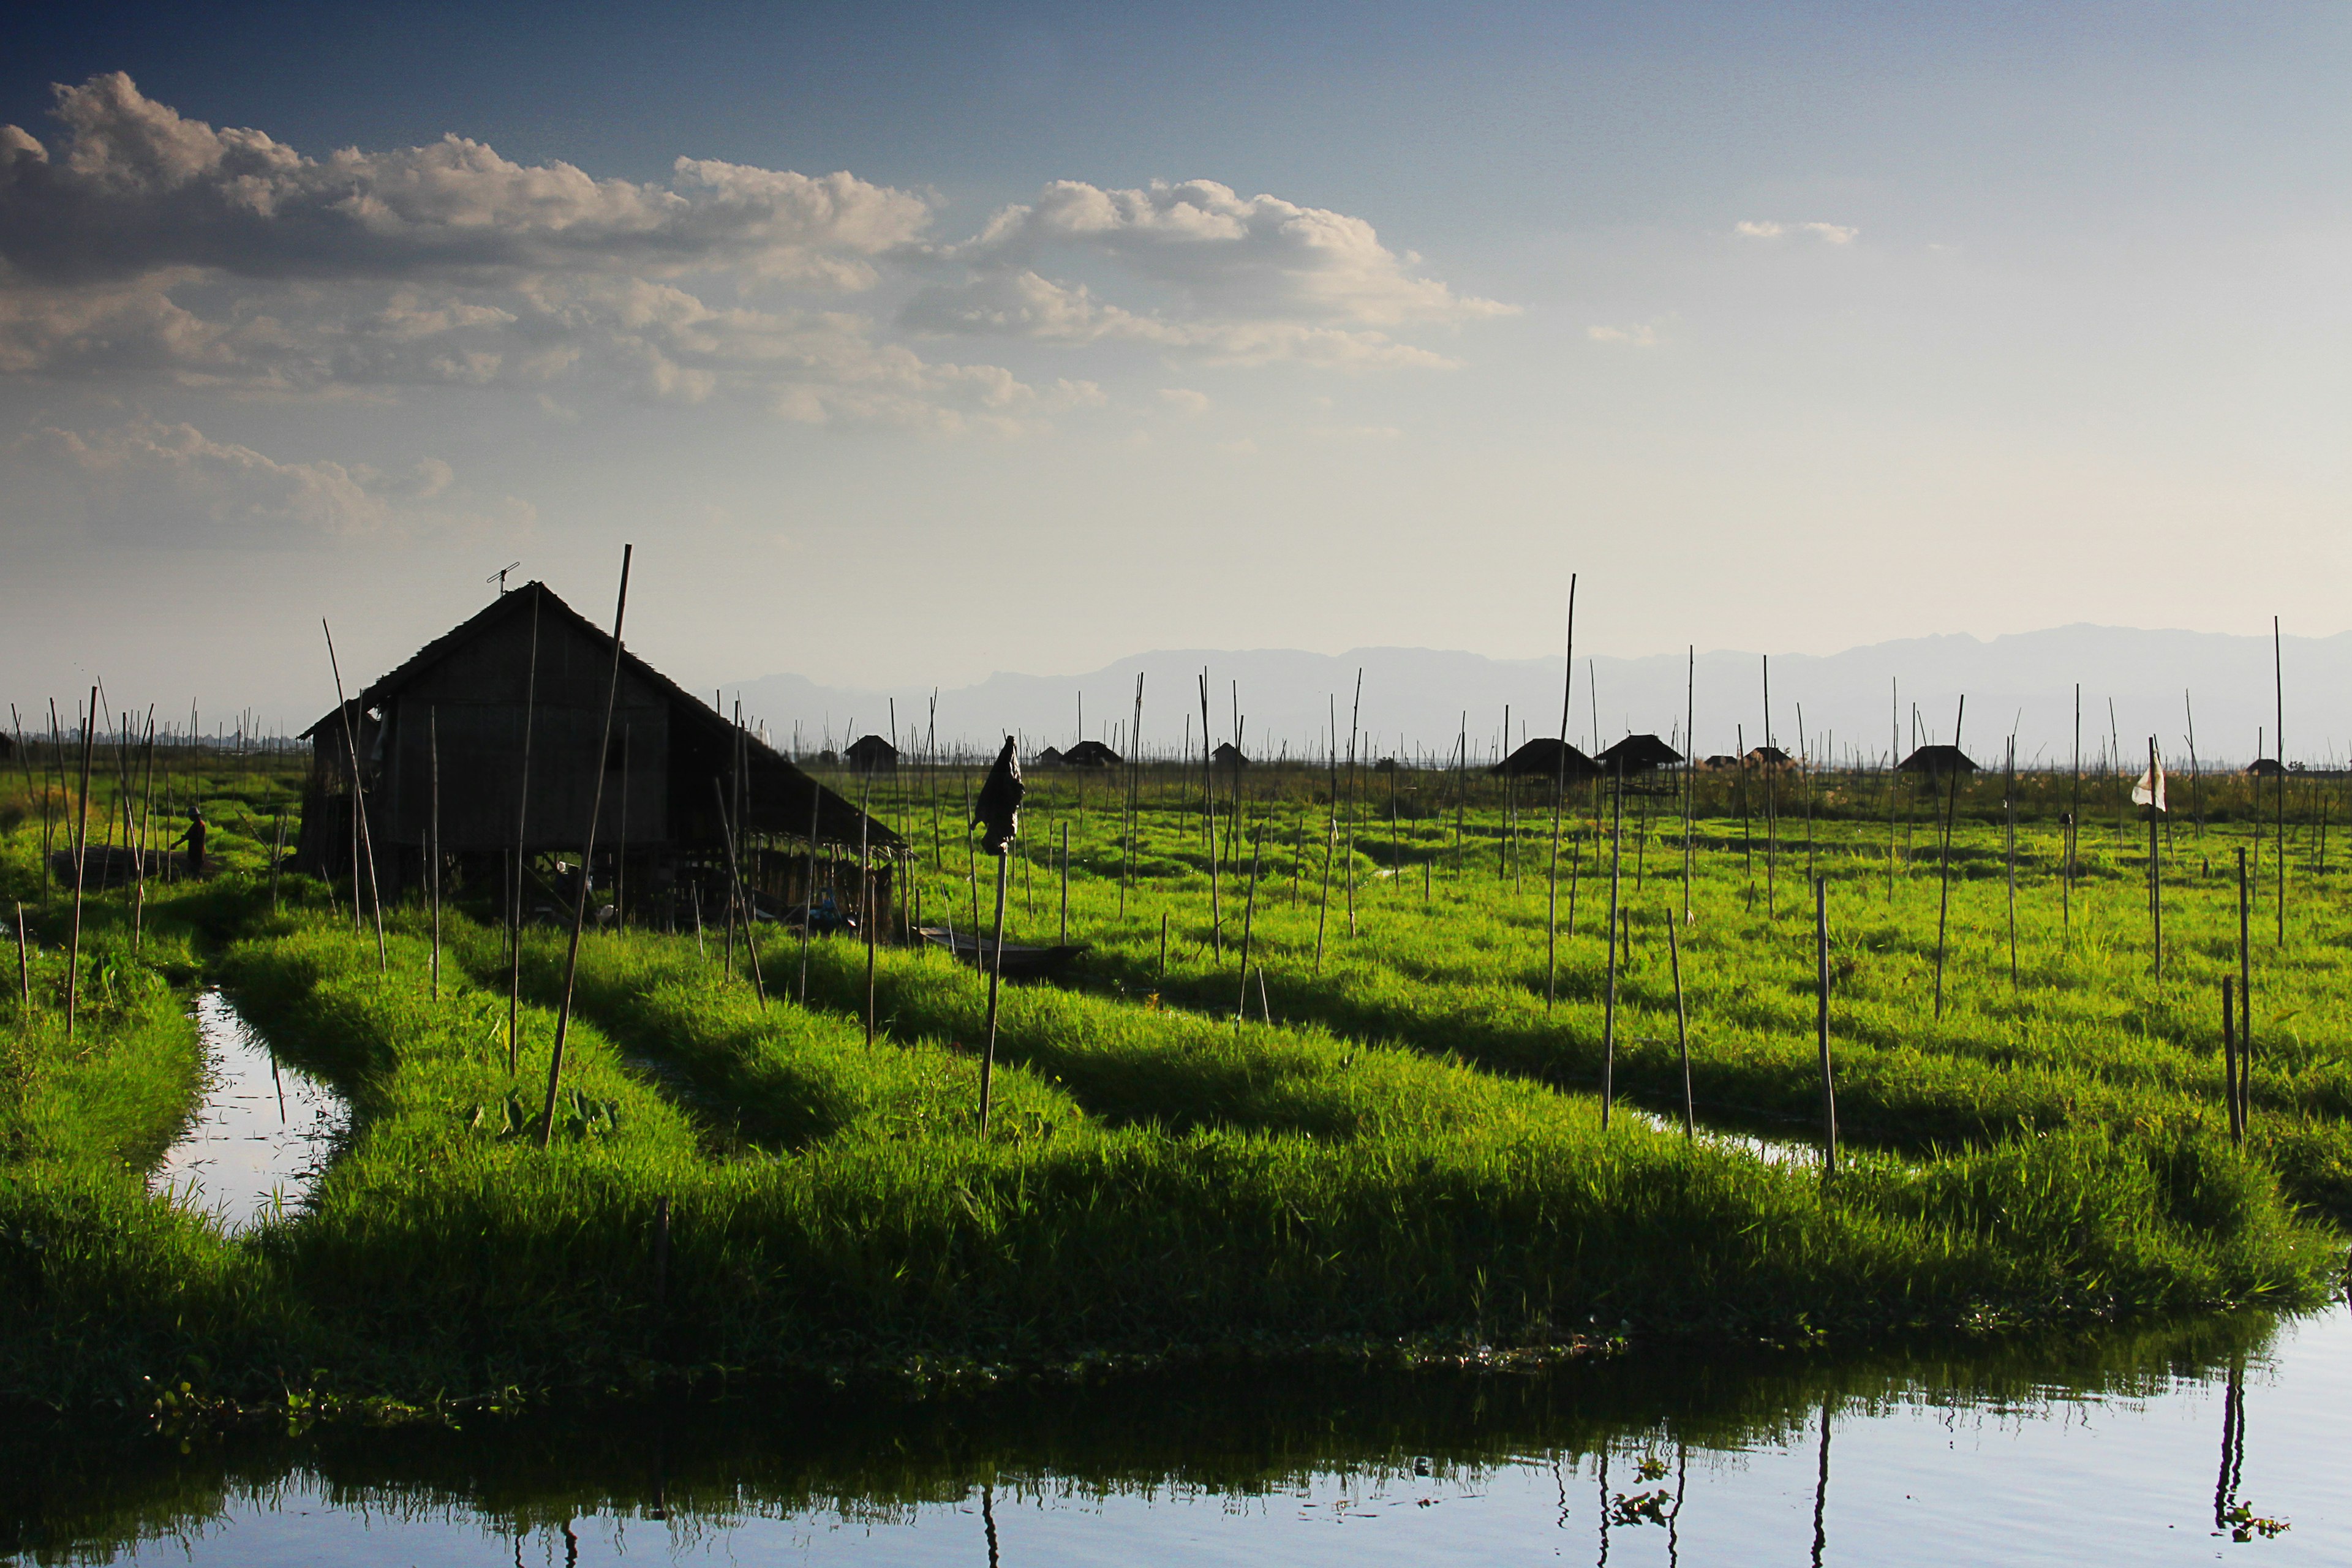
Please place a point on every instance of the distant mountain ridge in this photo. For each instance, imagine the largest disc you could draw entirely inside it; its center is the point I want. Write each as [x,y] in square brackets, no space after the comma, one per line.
[1416,701]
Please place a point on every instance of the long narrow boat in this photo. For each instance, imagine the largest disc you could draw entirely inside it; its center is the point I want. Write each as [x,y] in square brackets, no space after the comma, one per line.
[1020,962]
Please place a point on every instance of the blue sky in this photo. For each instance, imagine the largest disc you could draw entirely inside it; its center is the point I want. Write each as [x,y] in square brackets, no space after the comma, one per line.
[1789,328]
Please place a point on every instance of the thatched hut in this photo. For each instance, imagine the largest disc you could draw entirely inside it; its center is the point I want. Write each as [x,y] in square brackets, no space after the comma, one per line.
[1228,755]
[872,755]
[1638,754]
[1546,757]
[2267,768]
[1090,754]
[1768,759]
[1938,762]
[530,665]
[1051,757]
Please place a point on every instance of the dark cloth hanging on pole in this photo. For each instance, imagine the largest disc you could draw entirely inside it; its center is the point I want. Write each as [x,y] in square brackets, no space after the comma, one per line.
[997,812]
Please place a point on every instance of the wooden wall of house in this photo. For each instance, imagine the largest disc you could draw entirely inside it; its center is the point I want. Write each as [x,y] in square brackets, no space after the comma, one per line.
[476,697]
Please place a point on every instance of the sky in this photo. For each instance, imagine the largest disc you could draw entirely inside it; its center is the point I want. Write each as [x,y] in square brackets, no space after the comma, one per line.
[906,344]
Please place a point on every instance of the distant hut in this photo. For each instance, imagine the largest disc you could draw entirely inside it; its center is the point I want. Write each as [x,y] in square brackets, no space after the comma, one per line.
[1768,759]
[671,759]
[2267,768]
[1638,754]
[1938,762]
[1051,757]
[873,755]
[1541,759]
[1721,762]
[1228,755]
[1090,754]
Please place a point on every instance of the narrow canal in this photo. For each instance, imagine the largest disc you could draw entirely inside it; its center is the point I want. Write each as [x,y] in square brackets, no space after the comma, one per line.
[263,1133]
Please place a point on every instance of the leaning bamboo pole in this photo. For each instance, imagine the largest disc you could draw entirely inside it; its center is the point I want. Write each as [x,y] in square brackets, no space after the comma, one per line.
[81,845]
[587,860]
[358,805]
[1559,809]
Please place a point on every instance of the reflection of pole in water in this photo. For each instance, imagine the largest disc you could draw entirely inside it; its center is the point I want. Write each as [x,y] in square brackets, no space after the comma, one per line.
[1822,1489]
[988,1518]
[1605,1447]
[1682,1478]
[2233,1444]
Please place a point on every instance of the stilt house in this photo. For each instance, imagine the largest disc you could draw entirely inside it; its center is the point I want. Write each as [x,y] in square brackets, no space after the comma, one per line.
[1541,759]
[509,708]
[1639,754]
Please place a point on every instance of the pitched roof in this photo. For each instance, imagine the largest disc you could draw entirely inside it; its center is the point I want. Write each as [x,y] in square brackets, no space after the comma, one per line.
[1637,752]
[1937,760]
[837,820]
[1542,758]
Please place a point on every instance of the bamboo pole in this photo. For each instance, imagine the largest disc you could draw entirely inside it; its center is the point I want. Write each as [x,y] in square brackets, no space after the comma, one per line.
[366,841]
[2154,868]
[523,847]
[865,886]
[1821,1024]
[2245,998]
[1682,1026]
[433,867]
[1065,884]
[2009,813]
[2229,1068]
[2278,668]
[808,893]
[139,847]
[1609,1002]
[81,847]
[1208,821]
[1690,767]
[1355,727]
[1943,861]
[587,860]
[1249,911]
[996,978]
[1559,809]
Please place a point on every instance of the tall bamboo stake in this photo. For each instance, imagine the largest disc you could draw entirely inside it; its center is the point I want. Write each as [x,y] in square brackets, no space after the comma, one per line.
[2154,868]
[81,845]
[2009,814]
[1609,1001]
[2229,1068]
[1559,809]
[1355,727]
[1690,767]
[433,870]
[587,860]
[359,806]
[522,848]
[1821,1024]
[808,893]
[2278,668]
[1943,861]
[23,962]
[1682,1026]
[2245,997]
[1249,911]
[1208,821]
[864,887]
[996,978]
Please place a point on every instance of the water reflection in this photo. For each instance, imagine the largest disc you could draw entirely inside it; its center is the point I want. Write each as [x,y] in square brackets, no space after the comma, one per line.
[262,1133]
[2051,1453]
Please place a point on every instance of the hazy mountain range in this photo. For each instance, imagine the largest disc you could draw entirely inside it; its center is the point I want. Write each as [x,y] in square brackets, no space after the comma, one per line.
[1415,699]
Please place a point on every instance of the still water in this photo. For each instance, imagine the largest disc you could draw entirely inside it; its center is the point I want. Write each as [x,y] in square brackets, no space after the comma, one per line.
[262,1133]
[2148,1447]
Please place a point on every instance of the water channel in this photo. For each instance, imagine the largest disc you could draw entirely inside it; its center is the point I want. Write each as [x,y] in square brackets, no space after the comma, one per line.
[262,1133]
[2189,1442]
[2146,1447]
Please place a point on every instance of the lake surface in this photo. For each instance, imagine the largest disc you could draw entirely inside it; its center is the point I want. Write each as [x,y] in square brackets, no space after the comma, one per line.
[2124,1448]
[262,1133]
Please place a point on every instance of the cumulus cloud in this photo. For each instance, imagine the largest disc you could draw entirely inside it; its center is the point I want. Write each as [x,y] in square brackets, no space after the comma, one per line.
[1767,228]
[142,245]
[1640,335]
[1250,279]
[176,479]
[135,186]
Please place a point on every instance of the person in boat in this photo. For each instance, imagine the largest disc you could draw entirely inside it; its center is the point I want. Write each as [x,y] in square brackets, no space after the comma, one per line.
[193,837]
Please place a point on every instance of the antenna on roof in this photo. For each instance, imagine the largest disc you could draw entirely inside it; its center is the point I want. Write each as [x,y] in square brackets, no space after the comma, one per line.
[499,576]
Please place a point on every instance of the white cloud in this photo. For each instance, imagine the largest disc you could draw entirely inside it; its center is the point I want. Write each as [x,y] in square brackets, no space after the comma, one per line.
[174,479]
[1640,335]
[147,248]
[1251,279]
[1767,228]
[1184,400]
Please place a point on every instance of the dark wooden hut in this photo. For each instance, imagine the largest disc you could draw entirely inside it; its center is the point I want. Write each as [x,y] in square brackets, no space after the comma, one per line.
[1938,762]
[670,762]
[2267,768]
[1638,754]
[872,755]
[1090,754]
[1540,758]
[1719,763]
[1228,755]
[1769,759]
[1051,757]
